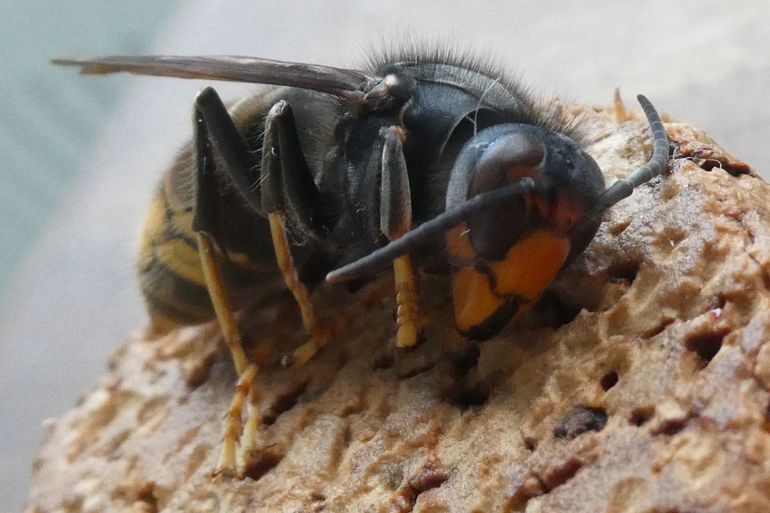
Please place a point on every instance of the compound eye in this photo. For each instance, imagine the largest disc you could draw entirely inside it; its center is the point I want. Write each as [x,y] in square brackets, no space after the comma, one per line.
[507,160]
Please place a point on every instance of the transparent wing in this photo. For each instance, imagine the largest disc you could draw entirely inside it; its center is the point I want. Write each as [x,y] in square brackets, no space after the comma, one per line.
[336,81]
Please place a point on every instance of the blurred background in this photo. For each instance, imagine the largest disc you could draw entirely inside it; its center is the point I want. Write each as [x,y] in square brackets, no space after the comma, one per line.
[81,155]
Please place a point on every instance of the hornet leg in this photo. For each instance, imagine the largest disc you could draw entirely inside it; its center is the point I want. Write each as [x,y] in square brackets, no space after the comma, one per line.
[288,189]
[215,134]
[395,221]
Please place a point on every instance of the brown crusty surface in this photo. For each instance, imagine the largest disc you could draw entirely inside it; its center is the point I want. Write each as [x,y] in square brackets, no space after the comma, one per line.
[640,384]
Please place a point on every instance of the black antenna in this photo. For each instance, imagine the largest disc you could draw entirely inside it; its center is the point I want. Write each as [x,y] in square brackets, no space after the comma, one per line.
[423,233]
[654,167]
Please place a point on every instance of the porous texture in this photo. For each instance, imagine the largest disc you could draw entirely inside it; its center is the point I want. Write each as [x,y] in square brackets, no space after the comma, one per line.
[640,384]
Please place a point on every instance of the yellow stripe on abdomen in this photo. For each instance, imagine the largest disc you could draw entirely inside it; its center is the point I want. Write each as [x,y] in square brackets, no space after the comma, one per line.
[170,272]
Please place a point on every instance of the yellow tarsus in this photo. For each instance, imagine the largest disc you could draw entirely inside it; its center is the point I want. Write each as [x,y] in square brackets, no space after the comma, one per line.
[227,464]
[407,314]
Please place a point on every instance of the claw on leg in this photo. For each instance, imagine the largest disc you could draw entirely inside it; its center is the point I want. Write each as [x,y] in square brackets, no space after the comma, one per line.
[306,351]
[333,326]
[228,463]
[249,435]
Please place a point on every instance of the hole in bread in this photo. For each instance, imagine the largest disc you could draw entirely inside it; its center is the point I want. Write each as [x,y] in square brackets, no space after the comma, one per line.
[609,380]
[283,402]
[263,462]
[383,361]
[471,396]
[705,345]
[557,476]
[537,484]
[623,271]
[530,443]
[673,236]
[553,311]
[580,420]
[640,416]
[733,168]
[717,301]
[148,497]
[466,359]
[671,426]
[428,478]
[466,395]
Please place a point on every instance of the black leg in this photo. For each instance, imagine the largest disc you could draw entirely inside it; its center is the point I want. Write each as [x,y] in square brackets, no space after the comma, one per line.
[395,196]
[215,134]
[287,183]
[287,188]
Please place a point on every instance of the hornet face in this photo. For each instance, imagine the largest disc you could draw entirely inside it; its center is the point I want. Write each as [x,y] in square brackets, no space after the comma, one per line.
[504,257]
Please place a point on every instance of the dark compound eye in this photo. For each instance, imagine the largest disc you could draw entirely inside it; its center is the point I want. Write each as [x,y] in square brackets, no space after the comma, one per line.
[507,160]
